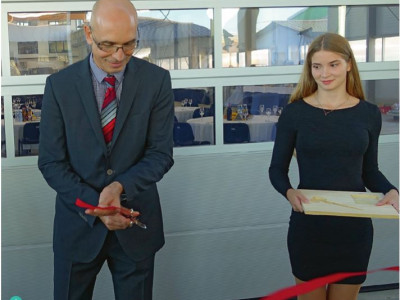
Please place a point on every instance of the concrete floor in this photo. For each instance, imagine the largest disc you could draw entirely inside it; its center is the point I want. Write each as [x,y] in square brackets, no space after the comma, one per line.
[392,294]
[380,295]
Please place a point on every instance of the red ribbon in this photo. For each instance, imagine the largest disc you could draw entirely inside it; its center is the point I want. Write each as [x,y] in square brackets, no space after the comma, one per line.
[126,212]
[83,204]
[313,284]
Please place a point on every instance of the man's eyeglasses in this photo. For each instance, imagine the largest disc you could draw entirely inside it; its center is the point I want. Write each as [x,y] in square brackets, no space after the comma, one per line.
[128,47]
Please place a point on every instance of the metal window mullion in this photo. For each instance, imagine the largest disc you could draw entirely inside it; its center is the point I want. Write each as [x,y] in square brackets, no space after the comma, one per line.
[219,115]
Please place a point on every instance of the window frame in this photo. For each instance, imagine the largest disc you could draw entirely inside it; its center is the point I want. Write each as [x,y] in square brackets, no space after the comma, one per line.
[216,77]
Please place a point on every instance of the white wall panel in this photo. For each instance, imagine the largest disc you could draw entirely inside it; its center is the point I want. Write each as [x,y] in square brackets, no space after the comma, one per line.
[225,230]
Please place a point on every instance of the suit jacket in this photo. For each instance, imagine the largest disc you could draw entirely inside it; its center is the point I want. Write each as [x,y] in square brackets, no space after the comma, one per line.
[75,162]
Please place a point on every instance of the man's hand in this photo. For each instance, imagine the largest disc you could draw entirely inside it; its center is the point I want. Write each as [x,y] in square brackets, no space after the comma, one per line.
[110,196]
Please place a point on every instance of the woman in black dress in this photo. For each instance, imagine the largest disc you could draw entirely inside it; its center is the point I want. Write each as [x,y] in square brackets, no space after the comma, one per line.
[334,132]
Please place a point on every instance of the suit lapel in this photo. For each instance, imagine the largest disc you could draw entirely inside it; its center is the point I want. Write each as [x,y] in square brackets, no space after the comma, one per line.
[85,88]
[129,89]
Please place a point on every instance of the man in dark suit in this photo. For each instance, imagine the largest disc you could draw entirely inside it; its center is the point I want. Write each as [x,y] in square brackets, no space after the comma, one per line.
[122,169]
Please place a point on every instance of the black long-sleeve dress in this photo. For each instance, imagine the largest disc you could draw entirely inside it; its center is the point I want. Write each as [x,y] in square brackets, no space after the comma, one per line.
[337,151]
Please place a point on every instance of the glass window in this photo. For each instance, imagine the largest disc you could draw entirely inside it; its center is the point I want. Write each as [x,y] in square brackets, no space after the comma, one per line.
[44,43]
[3,132]
[252,111]
[58,47]
[194,117]
[280,36]
[271,36]
[27,47]
[177,39]
[385,94]
[26,113]
[259,107]
[373,32]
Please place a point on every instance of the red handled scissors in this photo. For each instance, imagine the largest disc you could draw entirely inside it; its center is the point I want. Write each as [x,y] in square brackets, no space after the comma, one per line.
[126,212]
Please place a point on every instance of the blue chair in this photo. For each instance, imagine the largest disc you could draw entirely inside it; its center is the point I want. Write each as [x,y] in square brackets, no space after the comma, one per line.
[198,96]
[183,135]
[236,133]
[283,99]
[268,99]
[30,137]
[248,99]
[273,133]
[3,149]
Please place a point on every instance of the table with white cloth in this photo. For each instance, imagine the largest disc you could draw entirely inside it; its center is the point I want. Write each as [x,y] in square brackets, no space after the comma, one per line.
[184,113]
[37,112]
[260,127]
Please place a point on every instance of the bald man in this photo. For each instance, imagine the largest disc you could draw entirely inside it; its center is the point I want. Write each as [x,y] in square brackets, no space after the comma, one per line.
[107,157]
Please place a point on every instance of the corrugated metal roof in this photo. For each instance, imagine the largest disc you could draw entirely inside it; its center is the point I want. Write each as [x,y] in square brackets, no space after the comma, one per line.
[301,25]
[150,29]
[160,30]
[311,13]
[38,33]
[297,25]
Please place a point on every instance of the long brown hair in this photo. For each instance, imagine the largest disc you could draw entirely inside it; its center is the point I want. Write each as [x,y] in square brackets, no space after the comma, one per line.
[334,43]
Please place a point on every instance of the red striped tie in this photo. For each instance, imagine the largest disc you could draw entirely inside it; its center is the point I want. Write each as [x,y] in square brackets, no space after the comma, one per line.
[109,110]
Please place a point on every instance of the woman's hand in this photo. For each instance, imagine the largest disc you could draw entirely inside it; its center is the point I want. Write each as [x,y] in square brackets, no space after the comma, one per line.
[295,198]
[391,198]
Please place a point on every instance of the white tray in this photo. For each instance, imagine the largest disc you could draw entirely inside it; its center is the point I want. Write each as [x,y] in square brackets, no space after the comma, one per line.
[351,204]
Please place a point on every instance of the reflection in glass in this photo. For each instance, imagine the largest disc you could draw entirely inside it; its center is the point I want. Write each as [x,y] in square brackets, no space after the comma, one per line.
[26,115]
[270,99]
[3,132]
[176,39]
[257,106]
[280,36]
[194,107]
[58,47]
[28,48]
[385,94]
[373,32]
[270,36]
[44,43]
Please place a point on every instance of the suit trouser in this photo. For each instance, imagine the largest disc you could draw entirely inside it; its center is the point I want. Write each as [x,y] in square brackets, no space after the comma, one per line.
[132,280]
